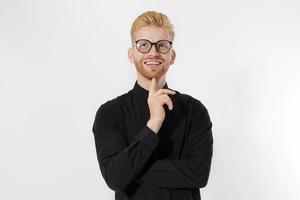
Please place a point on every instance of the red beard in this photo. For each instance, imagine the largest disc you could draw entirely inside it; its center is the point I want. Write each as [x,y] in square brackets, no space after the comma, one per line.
[151,71]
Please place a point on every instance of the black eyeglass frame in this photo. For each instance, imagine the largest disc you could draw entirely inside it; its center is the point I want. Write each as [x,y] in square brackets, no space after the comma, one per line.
[155,44]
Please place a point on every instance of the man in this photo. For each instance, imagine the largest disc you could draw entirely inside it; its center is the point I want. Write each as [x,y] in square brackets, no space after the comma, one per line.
[153,142]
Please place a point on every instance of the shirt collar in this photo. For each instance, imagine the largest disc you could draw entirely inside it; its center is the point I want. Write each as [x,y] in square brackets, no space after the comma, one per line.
[139,90]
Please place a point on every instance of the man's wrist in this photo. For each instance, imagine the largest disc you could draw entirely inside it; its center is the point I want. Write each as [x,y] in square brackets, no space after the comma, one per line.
[154,125]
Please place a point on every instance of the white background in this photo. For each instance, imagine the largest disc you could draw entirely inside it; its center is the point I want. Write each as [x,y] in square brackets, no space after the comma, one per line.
[61,59]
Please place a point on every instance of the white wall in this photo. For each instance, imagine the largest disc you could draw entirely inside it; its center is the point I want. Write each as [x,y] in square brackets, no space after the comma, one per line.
[60,60]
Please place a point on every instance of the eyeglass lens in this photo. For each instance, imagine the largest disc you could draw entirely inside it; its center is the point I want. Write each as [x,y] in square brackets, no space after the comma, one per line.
[162,46]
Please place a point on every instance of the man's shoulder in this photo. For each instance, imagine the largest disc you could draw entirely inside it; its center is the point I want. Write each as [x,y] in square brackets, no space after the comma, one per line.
[190,101]
[113,103]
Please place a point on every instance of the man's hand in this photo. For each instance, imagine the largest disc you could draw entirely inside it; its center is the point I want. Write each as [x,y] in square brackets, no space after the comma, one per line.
[156,100]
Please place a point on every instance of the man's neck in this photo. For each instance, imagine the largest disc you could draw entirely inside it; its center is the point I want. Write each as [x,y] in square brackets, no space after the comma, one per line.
[145,83]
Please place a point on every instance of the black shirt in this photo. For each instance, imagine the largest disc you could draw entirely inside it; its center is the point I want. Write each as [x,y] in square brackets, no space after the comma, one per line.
[137,163]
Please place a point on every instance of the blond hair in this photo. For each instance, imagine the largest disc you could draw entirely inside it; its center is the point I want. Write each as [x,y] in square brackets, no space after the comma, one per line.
[152,18]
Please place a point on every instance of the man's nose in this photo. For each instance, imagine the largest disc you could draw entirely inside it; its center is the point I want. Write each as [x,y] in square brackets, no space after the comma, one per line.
[153,50]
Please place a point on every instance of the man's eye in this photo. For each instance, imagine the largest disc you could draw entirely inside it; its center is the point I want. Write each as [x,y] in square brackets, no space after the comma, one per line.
[162,45]
[144,44]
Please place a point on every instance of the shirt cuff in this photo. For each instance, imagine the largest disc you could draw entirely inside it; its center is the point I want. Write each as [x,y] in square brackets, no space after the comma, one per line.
[148,137]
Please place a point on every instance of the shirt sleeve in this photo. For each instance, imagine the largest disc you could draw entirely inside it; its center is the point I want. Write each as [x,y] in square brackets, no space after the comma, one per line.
[192,171]
[120,162]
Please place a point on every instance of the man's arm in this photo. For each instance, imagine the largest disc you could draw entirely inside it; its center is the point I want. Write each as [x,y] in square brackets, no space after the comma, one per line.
[120,162]
[193,170]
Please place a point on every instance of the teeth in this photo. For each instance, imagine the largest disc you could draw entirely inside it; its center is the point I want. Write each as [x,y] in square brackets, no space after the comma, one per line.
[152,63]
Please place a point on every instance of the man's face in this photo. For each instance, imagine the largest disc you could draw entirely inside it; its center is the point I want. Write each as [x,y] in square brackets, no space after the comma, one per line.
[141,60]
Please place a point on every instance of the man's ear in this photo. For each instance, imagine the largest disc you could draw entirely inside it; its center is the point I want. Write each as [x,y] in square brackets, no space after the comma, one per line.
[173,56]
[130,55]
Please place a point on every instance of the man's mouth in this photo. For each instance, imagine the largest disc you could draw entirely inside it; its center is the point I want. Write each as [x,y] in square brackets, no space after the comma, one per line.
[152,62]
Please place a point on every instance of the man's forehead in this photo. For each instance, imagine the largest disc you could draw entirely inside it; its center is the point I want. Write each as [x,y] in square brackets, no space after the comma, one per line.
[152,33]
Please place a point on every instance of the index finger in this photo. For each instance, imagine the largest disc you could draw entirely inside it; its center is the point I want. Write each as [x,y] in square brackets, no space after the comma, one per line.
[153,85]
[166,91]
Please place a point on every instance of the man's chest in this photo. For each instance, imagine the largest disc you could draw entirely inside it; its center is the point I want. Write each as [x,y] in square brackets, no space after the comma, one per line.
[172,134]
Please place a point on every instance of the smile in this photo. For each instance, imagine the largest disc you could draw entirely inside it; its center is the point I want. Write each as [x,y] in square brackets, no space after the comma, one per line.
[152,62]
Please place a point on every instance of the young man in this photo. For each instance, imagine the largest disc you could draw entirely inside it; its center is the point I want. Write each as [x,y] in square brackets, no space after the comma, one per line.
[153,142]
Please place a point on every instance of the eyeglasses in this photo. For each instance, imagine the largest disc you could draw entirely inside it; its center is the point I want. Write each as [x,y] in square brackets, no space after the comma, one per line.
[162,46]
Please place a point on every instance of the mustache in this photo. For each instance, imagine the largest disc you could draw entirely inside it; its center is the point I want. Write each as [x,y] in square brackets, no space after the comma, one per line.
[153,59]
